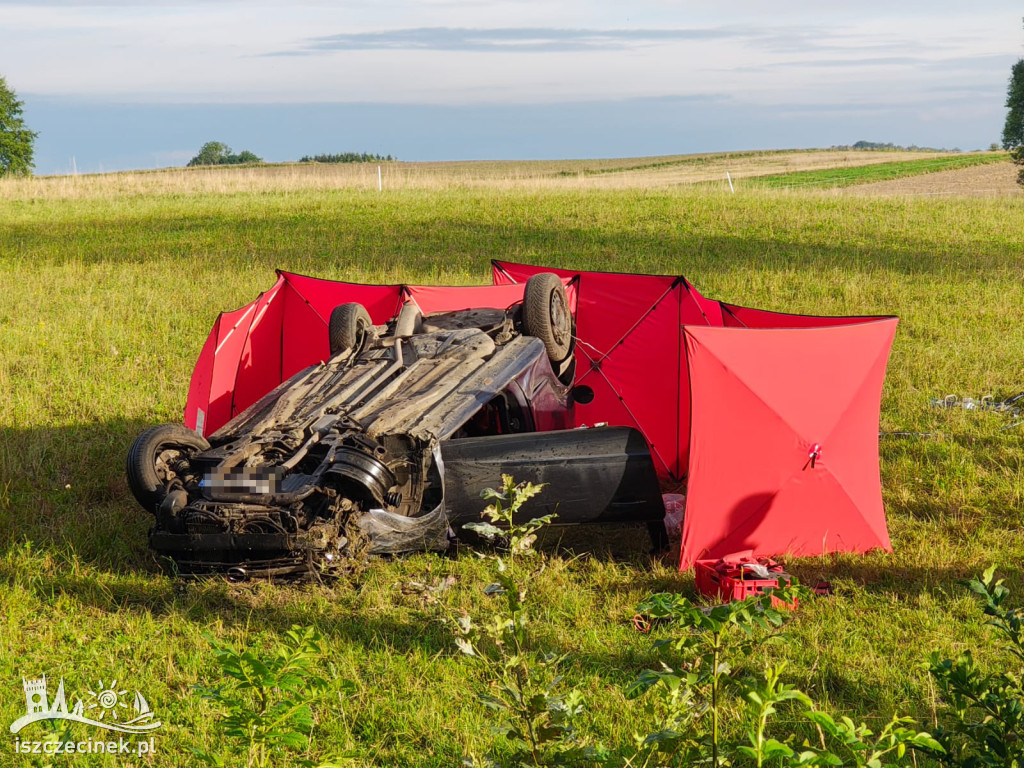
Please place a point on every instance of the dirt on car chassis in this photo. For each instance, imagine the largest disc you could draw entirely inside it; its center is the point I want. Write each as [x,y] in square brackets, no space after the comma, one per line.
[384,447]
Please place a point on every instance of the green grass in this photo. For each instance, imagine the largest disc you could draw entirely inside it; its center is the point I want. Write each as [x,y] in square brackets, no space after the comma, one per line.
[865,174]
[105,303]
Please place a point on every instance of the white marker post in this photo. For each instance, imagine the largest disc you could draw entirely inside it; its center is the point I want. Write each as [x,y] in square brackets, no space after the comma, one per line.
[731,187]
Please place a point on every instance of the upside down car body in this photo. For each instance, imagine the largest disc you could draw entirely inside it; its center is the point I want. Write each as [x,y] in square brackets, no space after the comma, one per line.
[385,446]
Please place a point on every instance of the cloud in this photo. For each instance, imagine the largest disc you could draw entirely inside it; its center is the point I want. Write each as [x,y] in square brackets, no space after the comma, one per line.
[839,40]
[999,62]
[509,39]
[887,61]
[125,3]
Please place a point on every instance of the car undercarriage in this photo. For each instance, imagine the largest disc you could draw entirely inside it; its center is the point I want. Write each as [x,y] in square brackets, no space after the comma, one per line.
[384,447]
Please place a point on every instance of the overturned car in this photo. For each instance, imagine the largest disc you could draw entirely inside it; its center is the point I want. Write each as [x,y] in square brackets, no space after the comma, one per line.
[386,446]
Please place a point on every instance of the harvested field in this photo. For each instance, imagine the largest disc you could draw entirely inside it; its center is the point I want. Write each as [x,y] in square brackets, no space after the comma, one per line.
[991,180]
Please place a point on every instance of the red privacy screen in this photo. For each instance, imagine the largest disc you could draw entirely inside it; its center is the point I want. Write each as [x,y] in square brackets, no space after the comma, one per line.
[771,419]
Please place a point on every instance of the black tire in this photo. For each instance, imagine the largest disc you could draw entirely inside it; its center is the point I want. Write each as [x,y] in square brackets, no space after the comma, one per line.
[155,458]
[546,315]
[350,328]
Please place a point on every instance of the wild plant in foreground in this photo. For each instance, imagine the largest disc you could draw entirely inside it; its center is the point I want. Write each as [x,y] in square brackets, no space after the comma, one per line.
[987,709]
[535,713]
[503,510]
[695,667]
[697,686]
[265,703]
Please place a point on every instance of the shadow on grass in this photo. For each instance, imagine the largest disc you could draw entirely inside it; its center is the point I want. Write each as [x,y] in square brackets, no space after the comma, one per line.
[335,611]
[414,234]
[63,489]
[371,613]
[886,575]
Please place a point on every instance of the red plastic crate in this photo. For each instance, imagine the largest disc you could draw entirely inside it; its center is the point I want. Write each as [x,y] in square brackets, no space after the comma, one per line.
[723,580]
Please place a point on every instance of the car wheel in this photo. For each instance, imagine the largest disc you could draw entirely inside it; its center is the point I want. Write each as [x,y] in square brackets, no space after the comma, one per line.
[159,457]
[546,315]
[350,328]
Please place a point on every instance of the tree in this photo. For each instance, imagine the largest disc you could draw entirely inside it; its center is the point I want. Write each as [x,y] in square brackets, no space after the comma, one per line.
[1013,130]
[212,153]
[16,141]
[218,153]
[245,156]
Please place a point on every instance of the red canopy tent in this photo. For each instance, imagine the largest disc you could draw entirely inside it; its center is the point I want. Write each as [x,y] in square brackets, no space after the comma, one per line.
[658,356]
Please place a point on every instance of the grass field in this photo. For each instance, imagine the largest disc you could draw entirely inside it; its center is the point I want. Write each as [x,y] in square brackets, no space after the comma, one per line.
[107,294]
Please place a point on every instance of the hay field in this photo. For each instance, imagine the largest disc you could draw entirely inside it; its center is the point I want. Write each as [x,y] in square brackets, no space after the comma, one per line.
[628,173]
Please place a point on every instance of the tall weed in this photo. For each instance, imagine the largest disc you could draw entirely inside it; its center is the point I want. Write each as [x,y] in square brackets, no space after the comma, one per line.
[265,703]
[534,710]
[986,709]
[701,685]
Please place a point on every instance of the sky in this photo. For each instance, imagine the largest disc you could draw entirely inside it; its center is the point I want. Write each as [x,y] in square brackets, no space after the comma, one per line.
[122,85]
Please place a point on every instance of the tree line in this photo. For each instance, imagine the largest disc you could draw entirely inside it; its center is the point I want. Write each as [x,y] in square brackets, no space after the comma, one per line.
[888,146]
[219,153]
[348,157]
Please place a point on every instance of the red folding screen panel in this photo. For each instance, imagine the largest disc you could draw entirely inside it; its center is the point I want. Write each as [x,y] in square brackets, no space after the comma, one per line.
[629,351]
[784,443]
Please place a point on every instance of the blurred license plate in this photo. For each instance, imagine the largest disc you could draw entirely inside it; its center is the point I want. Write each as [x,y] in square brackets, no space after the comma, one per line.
[244,480]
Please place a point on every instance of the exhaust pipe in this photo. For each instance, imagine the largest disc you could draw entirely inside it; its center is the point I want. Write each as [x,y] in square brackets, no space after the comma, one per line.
[239,574]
